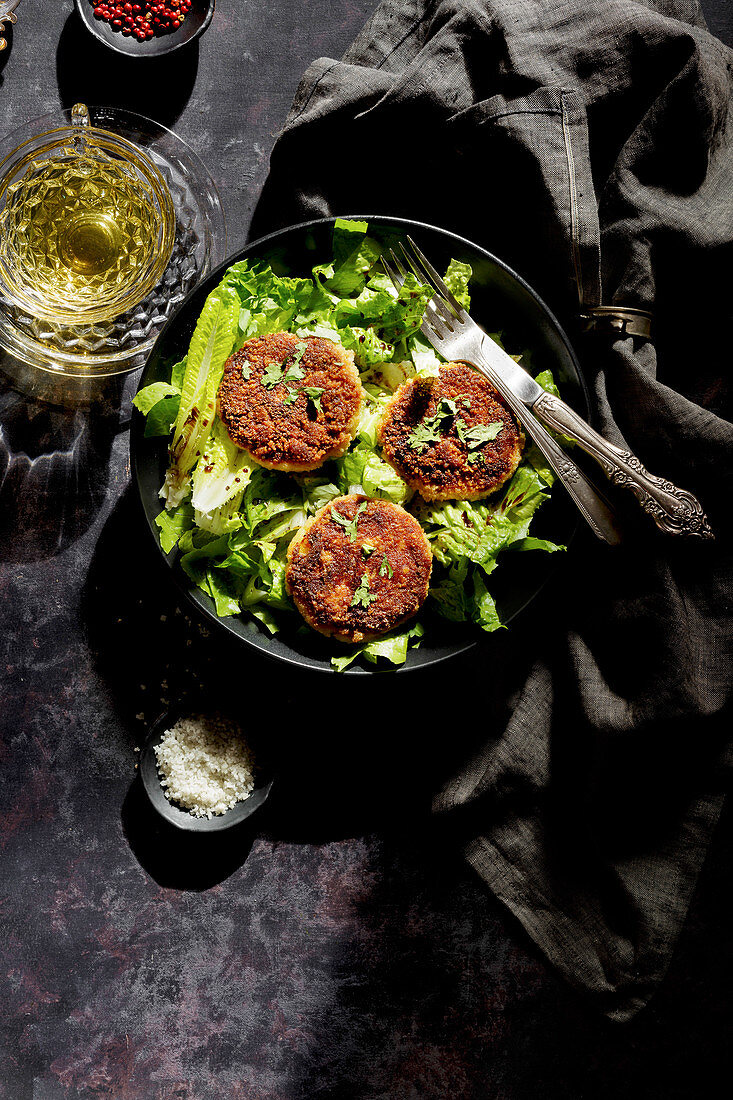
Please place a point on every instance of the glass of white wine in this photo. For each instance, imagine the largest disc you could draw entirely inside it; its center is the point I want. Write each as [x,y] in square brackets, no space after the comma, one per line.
[87,224]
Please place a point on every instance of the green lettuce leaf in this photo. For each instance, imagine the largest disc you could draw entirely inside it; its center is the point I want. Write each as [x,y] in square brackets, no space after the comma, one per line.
[210,346]
[173,524]
[391,647]
[457,278]
[222,472]
[354,254]
[162,416]
[146,398]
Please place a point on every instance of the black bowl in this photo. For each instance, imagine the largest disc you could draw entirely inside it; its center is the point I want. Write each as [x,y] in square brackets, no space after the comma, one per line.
[181,819]
[196,22]
[501,301]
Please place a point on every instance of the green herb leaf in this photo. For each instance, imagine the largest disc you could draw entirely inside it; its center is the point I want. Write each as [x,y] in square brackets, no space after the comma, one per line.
[246,369]
[314,395]
[479,434]
[476,437]
[277,372]
[349,525]
[363,597]
[299,352]
[272,376]
[385,569]
[293,374]
[430,429]
[367,549]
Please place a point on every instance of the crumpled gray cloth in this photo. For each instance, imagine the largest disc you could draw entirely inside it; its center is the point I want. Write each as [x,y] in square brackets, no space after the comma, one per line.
[589,144]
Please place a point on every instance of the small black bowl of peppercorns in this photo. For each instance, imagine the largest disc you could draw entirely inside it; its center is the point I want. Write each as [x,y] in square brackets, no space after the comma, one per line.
[145,28]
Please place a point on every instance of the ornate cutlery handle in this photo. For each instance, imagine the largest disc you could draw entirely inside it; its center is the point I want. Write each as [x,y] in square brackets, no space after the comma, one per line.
[7,15]
[673,510]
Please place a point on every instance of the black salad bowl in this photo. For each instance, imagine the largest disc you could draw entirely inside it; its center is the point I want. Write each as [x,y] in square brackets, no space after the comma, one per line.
[501,302]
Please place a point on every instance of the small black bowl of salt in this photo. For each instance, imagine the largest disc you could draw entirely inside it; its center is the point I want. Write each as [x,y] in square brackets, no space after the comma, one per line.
[201,774]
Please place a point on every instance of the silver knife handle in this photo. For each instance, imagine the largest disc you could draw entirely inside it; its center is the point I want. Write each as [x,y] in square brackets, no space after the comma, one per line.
[673,510]
[594,509]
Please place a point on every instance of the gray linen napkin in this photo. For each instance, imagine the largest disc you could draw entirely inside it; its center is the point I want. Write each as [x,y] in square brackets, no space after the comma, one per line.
[589,144]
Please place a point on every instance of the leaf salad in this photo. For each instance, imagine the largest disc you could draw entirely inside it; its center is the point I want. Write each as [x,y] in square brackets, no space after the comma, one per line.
[232,520]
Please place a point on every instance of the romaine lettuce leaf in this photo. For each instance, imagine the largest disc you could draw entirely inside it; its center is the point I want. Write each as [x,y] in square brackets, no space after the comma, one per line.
[173,524]
[457,278]
[146,398]
[211,344]
[354,254]
[391,647]
[222,472]
[162,416]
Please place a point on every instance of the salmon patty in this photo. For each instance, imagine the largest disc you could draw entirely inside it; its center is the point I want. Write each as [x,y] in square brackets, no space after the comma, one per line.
[451,437]
[291,402]
[359,568]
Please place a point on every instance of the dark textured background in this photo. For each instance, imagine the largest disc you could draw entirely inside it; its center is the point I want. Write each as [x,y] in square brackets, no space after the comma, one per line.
[342,949]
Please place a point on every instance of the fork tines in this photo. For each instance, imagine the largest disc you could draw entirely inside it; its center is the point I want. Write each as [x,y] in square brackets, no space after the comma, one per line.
[439,315]
[443,309]
[426,273]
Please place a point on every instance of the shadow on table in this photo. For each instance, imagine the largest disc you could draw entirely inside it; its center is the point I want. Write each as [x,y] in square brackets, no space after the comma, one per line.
[183,861]
[55,444]
[90,72]
[426,987]
[447,997]
[353,754]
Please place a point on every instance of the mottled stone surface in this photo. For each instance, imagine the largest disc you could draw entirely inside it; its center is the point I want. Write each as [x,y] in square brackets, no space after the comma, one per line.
[338,948]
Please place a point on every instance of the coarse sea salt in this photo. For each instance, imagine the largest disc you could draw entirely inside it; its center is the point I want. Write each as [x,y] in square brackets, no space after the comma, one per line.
[205,765]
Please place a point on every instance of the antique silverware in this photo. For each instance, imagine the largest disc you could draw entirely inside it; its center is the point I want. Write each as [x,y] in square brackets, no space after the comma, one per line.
[7,15]
[456,335]
[595,509]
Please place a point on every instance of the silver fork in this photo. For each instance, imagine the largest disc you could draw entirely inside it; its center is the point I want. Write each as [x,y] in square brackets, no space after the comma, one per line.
[456,335]
[441,327]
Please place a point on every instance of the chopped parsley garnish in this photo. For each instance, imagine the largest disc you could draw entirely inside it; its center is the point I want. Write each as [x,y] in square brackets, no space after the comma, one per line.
[294,374]
[363,597]
[298,353]
[478,435]
[429,429]
[314,395]
[272,375]
[276,373]
[385,569]
[349,525]
[246,369]
[434,428]
[367,549]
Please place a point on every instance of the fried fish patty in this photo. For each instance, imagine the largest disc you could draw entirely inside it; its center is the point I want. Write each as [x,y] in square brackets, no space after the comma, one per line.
[291,402]
[359,568]
[436,432]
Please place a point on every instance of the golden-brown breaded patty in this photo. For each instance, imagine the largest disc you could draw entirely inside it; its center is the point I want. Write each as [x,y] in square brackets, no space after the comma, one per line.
[291,402]
[359,568]
[451,437]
